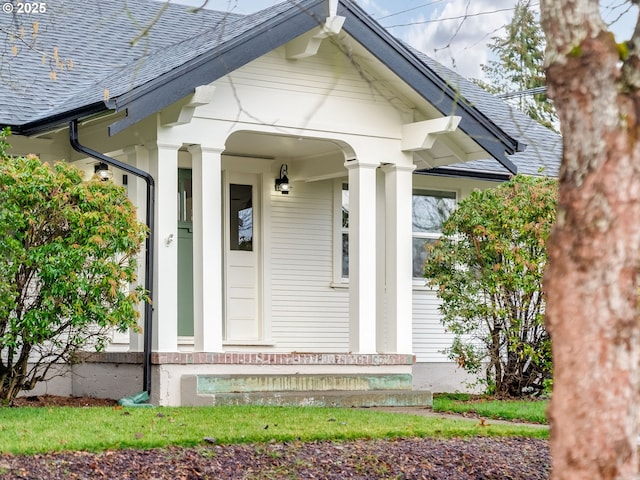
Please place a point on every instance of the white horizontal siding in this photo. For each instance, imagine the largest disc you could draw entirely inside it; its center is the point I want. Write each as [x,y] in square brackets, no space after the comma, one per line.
[429,336]
[318,74]
[306,313]
[322,92]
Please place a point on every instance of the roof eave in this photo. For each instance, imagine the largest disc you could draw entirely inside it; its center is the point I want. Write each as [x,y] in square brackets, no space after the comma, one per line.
[463,173]
[53,122]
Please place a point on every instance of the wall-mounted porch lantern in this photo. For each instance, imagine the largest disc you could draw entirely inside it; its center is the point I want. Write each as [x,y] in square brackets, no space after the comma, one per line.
[282,183]
[102,170]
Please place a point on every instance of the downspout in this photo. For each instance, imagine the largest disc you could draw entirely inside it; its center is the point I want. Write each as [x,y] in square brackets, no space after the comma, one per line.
[149,254]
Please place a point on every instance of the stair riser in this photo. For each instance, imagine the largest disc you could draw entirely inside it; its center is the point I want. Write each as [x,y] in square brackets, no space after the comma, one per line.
[209,384]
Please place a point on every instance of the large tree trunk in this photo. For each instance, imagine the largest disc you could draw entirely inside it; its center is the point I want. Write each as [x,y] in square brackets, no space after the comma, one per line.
[591,280]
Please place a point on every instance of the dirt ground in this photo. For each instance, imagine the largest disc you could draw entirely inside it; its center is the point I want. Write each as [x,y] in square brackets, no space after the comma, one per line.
[463,459]
[56,401]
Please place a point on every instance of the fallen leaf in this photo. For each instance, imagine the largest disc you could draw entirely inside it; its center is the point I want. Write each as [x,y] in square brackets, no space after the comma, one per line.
[483,424]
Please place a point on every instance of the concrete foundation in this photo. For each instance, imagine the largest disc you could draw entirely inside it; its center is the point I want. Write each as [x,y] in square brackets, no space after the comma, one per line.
[320,390]
[117,375]
[102,380]
[444,377]
[60,383]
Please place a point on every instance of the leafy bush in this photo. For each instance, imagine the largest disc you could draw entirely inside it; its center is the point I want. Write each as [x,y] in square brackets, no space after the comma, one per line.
[67,259]
[488,269]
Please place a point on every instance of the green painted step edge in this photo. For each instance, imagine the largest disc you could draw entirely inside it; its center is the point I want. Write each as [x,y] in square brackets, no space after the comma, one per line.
[208,384]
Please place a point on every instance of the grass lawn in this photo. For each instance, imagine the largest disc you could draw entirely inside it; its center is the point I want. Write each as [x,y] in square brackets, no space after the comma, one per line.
[533,411]
[33,430]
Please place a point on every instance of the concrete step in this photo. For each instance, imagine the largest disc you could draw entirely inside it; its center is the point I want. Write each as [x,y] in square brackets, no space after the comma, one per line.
[214,384]
[371,398]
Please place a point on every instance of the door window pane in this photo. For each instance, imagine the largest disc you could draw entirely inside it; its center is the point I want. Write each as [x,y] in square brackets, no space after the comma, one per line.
[241,217]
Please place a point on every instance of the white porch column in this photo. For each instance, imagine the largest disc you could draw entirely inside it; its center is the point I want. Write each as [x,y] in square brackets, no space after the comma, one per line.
[362,256]
[163,163]
[398,258]
[207,248]
[138,157]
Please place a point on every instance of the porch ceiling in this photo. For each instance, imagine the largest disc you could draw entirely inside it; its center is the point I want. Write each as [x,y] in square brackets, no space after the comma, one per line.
[282,147]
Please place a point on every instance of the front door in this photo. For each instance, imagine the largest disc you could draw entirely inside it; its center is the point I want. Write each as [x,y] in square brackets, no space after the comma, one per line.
[242,249]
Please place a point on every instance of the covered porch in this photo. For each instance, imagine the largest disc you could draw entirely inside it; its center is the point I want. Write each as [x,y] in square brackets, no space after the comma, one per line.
[253,280]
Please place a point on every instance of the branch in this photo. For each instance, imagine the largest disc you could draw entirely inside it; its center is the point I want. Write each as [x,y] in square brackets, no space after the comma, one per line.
[31,46]
[153,21]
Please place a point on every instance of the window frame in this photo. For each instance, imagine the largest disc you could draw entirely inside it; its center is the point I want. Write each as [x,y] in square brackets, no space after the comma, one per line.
[339,230]
[420,281]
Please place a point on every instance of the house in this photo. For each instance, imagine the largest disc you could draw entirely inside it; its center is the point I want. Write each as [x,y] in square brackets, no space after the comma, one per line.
[293,163]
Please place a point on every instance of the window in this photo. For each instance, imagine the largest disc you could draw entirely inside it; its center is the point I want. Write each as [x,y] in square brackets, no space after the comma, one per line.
[241,217]
[345,230]
[430,209]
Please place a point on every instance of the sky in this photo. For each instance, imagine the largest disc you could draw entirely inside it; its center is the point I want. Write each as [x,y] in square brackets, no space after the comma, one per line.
[455,32]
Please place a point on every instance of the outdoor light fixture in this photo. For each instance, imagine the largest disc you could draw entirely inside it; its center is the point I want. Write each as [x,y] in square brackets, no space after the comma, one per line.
[282,183]
[102,170]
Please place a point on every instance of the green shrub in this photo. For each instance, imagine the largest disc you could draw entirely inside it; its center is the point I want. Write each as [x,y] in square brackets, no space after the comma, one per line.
[488,269]
[67,259]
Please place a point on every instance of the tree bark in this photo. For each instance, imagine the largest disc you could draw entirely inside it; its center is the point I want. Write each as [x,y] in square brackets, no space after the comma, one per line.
[591,280]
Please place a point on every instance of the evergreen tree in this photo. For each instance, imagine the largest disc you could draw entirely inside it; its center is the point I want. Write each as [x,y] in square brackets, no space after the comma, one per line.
[520,66]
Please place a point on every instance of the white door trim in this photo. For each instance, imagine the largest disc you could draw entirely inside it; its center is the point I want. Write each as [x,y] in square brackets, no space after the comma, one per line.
[243,274]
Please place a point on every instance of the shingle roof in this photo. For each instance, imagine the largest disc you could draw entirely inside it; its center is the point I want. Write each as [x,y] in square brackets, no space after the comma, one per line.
[183,43]
[211,55]
[65,43]
[544,146]
[146,69]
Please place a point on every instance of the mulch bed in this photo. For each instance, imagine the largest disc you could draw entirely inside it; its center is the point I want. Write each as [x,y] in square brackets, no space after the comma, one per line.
[472,458]
[58,401]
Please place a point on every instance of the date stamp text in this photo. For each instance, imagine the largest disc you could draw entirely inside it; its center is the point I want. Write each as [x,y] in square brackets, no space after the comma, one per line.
[24,8]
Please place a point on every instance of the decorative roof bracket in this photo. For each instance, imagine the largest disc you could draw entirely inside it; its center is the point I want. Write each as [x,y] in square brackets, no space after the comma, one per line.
[422,135]
[182,112]
[307,45]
